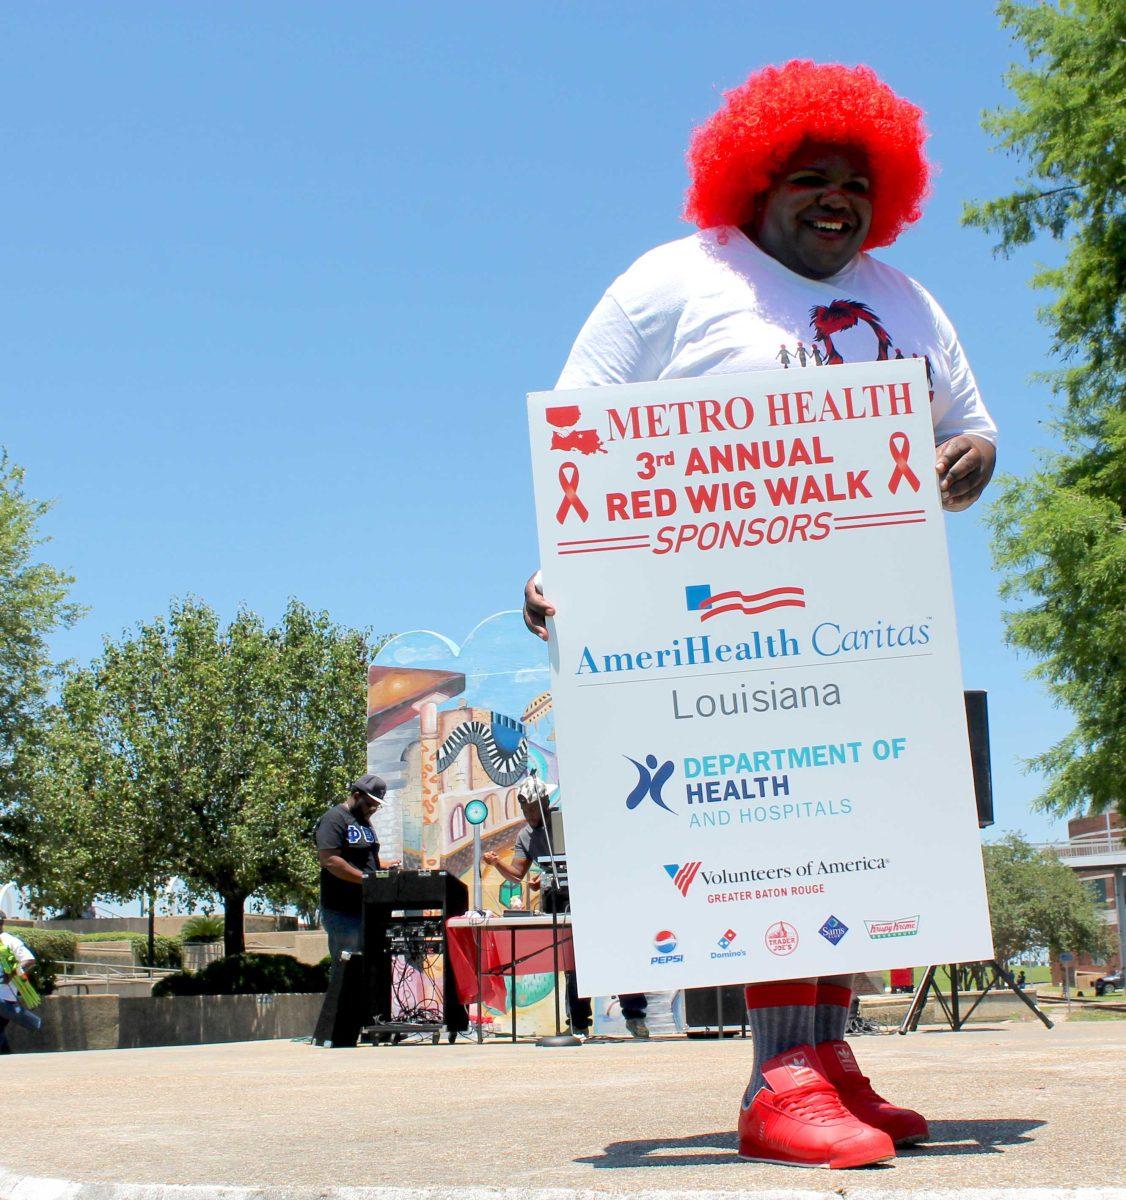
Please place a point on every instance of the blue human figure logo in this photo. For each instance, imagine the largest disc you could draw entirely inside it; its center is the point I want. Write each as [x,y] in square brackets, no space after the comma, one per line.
[650,780]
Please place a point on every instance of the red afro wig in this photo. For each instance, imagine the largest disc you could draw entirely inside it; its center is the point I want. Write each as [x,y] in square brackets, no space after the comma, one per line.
[735,155]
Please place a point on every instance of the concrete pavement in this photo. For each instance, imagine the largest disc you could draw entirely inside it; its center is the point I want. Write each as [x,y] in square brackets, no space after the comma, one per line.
[1012,1107]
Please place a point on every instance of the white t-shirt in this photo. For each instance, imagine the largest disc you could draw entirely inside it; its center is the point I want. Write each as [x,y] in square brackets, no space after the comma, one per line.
[23,956]
[714,303]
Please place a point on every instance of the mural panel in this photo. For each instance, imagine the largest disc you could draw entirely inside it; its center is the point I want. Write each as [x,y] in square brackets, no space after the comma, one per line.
[448,724]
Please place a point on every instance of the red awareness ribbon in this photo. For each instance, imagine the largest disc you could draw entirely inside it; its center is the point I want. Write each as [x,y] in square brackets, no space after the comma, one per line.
[900,448]
[569,482]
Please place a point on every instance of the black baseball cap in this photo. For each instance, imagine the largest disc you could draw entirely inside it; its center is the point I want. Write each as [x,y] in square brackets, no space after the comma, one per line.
[374,786]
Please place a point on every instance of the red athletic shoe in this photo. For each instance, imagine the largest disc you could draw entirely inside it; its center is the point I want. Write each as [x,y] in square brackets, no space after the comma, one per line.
[799,1119]
[904,1126]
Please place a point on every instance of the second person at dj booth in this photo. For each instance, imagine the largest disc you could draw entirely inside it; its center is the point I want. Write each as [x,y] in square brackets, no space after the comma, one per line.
[532,845]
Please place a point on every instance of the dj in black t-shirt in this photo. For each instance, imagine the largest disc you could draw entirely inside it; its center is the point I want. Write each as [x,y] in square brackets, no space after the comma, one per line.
[347,846]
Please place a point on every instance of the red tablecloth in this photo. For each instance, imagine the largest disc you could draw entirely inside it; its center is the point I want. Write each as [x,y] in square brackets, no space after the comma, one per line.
[527,939]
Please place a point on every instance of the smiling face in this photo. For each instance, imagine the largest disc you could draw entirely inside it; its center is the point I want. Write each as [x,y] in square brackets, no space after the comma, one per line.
[816,216]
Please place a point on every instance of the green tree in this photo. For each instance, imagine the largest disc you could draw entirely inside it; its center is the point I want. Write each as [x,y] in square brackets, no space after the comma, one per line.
[33,605]
[1060,536]
[206,755]
[1035,901]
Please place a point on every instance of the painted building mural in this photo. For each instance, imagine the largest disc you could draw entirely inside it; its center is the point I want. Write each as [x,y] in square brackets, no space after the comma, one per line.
[448,724]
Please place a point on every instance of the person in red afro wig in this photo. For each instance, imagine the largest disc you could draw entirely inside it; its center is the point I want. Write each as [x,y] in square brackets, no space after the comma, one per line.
[805,168]
[735,156]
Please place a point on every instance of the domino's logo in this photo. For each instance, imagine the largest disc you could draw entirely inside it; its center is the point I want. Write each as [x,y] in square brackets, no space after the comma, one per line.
[724,942]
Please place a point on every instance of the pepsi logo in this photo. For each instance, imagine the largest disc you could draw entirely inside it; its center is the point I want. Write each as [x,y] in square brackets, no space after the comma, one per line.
[664,942]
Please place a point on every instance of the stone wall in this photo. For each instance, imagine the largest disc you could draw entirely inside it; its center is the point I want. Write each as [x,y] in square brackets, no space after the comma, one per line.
[126,1022]
[167,926]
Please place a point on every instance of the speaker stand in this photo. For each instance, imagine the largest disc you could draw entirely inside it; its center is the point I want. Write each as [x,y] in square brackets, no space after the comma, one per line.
[558,1039]
[951,1006]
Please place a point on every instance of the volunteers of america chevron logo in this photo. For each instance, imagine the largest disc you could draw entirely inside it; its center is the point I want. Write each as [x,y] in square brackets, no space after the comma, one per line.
[682,875]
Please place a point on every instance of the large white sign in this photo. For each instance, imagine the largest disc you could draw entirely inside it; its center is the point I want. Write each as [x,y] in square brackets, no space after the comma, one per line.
[761,731]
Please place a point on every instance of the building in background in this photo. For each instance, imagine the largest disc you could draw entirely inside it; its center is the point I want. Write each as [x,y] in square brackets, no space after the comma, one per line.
[1096,852]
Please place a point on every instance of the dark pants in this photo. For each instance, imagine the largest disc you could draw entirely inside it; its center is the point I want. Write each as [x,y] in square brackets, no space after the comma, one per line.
[634,1004]
[345,931]
[12,1010]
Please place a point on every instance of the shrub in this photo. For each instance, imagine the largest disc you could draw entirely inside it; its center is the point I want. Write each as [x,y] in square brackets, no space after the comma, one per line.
[166,951]
[51,947]
[246,974]
[202,929]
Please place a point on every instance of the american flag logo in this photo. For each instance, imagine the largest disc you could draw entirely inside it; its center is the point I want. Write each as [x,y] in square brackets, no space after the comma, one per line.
[682,875]
[700,598]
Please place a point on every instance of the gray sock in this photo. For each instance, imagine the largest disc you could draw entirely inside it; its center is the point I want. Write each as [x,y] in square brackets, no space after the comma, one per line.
[834,997]
[780,1016]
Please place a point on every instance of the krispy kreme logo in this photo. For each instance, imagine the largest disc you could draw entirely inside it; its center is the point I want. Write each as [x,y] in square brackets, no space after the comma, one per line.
[901,927]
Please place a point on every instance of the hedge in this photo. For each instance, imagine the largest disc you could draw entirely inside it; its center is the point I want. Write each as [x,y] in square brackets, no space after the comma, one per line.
[247,974]
[167,951]
[50,947]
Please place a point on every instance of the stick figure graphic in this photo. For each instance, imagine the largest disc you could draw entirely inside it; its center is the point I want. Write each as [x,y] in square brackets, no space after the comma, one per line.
[649,784]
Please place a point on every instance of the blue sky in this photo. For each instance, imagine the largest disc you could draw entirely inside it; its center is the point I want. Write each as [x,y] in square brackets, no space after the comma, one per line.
[279,275]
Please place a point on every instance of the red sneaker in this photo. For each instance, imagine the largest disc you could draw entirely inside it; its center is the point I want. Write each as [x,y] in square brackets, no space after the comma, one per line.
[904,1126]
[799,1119]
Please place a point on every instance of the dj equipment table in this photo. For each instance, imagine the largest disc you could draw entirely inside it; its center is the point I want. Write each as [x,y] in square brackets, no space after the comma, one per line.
[482,954]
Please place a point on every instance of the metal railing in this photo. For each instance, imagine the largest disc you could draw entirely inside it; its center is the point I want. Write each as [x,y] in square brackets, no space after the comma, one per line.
[119,970]
[1084,849]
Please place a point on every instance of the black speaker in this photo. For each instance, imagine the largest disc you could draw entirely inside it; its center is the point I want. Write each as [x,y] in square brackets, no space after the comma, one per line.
[395,900]
[344,1011]
[393,888]
[704,1008]
[977,721]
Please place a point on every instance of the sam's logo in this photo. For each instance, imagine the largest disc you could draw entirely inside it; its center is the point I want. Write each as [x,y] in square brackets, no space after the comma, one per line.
[833,930]
[700,598]
[682,875]
[664,942]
